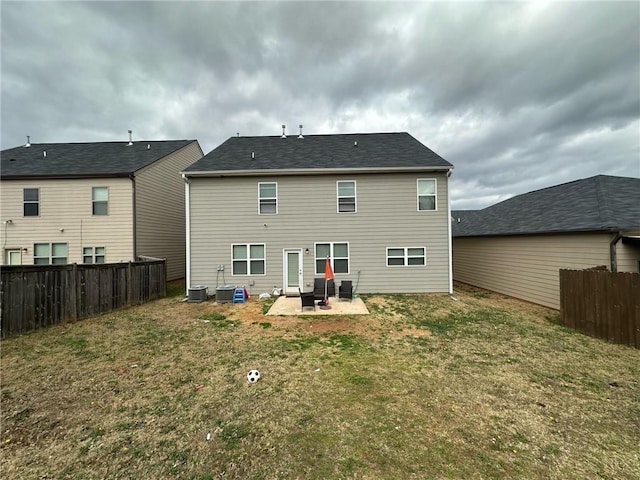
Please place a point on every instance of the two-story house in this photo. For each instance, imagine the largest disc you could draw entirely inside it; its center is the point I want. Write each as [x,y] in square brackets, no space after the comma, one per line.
[95,202]
[266,212]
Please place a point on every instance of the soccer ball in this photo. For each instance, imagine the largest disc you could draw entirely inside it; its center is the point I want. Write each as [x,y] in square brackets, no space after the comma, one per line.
[253,376]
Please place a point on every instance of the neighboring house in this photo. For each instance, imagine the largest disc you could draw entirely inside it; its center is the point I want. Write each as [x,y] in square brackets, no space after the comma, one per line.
[518,246]
[270,210]
[95,202]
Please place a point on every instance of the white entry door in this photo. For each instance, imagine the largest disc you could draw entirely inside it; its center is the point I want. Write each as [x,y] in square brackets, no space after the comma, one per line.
[292,263]
[14,257]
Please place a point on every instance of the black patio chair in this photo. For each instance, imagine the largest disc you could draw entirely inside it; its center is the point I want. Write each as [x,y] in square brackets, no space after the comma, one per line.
[307,299]
[318,288]
[345,290]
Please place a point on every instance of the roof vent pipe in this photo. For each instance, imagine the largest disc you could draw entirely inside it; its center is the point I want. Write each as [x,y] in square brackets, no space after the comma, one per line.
[283,134]
[253,155]
[28,141]
[148,146]
[130,140]
[300,136]
[355,144]
[44,153]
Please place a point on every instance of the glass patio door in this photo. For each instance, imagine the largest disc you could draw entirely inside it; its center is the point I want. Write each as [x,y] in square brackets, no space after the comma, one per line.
[292,271]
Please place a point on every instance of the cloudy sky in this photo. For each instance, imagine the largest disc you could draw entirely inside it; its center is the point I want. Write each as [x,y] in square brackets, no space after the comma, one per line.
[518,96]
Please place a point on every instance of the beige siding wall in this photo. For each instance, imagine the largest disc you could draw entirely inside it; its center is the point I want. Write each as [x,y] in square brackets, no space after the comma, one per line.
[160,213]
[225,211]
[526,266]
[67,205]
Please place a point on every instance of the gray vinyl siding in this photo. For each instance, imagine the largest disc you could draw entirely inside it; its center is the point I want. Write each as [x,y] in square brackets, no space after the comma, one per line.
[160,212]
[66,217]
[526,266]
[225,211]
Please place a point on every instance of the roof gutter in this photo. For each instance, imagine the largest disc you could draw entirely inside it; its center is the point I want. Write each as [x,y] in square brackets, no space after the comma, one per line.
[58,176]
[310,171]
[508,233]
[613,253]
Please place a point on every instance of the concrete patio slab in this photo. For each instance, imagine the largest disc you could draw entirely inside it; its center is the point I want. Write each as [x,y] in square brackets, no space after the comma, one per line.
[293,306]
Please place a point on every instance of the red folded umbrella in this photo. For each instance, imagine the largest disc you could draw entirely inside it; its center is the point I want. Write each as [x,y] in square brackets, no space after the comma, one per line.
[328,275]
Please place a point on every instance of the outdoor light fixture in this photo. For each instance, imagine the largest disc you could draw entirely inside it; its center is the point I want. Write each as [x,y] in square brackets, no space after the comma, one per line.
[306,251]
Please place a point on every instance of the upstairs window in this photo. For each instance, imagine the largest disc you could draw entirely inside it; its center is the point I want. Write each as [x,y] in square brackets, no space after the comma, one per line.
[93,255]
[346,196]
[248,259]
[406,256]
[338,254]
[50,253]
[426,194]
[268,198]
[31,199]
[100,198]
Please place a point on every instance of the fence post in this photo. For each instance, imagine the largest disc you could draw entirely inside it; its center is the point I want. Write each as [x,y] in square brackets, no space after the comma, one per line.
[74,291]
[166,275]
[129,284]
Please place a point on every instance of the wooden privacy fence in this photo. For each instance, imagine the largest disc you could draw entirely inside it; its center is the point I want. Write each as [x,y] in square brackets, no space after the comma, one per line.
[35,296]
[602,304]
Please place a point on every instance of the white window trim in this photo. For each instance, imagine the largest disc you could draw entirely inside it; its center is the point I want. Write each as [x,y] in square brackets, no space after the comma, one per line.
[435,195]
[248,260]
[94,201]
[50,256]
[268,198]
[93,255]
[37,202]
[355,196]
[331,257]
[406,257]
[8,253]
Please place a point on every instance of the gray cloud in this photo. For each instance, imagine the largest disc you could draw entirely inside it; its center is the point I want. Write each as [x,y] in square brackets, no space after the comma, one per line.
[517,96]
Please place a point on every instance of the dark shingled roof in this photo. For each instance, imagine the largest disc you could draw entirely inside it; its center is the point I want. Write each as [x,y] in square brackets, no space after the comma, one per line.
[600,203]
[373,151]
[84,159]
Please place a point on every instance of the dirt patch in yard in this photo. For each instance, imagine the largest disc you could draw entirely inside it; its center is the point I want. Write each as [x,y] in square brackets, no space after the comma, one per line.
[387,318]
[383,323]
[328,324]
[378,300]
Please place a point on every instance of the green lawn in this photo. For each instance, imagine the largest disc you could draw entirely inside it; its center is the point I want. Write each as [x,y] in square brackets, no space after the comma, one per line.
[425,387]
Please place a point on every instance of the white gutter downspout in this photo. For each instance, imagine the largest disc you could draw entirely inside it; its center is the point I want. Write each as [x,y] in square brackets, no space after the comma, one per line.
[187,217]
[450,241]
[134,215]
[613,254]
